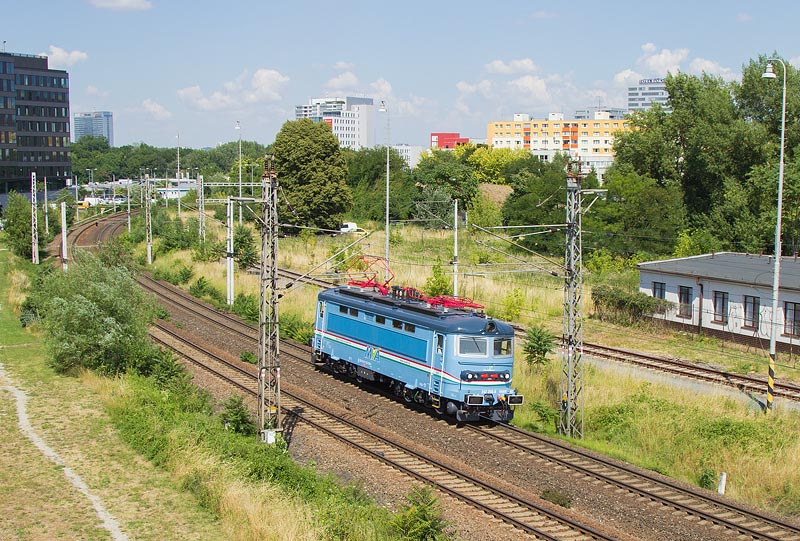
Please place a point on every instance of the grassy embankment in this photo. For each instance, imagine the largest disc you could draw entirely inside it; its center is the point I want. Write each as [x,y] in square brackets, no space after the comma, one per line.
[686,434]
[241,489]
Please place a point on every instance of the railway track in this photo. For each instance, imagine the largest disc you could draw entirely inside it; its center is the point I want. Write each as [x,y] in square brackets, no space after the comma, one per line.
[703,505]
[534,519]
[646,485]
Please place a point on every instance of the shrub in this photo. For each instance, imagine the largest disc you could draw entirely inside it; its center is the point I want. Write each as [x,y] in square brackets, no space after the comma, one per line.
[421,518]
[248,357]
[236,417]
[294,327]
[539,342]
[438,283]
[625,308]
[246,306]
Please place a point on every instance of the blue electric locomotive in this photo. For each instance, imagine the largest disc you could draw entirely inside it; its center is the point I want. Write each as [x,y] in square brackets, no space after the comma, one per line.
[436,352]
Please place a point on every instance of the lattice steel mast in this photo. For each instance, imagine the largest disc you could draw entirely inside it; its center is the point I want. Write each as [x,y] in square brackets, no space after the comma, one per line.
[571,411]
[269,373]
[34,222]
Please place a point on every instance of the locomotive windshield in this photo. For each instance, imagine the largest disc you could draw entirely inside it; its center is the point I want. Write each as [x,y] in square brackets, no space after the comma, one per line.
[472,346]
[503,347]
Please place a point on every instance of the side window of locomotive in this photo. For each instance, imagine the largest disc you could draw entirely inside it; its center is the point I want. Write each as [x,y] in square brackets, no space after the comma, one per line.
[439,344]
[321,309]
[380,320]
[472,346]
[409,327]
[354,312]
[342,309]
[503,347]
[397,324]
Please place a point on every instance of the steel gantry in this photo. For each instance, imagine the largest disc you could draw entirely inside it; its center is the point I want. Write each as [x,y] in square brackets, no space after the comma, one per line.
[269,367]
[571,408]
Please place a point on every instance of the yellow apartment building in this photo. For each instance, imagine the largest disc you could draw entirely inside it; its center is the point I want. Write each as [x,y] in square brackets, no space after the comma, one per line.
[588,140]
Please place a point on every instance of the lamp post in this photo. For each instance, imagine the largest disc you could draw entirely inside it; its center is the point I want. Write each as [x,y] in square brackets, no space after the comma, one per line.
[769,73]
[239,129]
[384,109]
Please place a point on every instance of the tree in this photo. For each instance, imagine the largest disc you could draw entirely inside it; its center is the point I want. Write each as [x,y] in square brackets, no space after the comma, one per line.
[18,224]
[442,169]
[538,199]
[366,177]
[312,175]
[244,246]
[539,342]
[637,215]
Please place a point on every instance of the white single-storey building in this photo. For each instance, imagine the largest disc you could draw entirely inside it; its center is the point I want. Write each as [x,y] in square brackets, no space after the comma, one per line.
[727,294]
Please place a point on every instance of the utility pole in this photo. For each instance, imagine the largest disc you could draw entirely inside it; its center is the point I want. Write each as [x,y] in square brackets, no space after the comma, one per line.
[46,224]
[128,198]
[201,210]
[455,248]
[178,175]
[34,222]
[269,367]
[229,252]
[148,223]
[64,235]
[571,411]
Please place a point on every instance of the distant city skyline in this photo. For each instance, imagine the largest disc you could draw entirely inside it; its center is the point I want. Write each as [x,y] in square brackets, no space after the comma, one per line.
[164,68]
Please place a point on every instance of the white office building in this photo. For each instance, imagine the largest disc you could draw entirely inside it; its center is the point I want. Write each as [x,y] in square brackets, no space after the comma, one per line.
[648,92]
[411,154]
[96,124]
[351,119]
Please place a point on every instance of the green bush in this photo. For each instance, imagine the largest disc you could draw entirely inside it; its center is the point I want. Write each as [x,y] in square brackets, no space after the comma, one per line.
[421,518]
[623,307]
[539,342]
[294,327]
[235,416]
[438,283]
[248,357]
[246,306]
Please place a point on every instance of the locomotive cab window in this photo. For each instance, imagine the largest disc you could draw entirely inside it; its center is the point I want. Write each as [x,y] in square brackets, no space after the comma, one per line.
[503,347]
[472,346]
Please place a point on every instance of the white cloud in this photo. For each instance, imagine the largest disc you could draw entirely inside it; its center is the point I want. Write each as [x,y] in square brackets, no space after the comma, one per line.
[744,17]
[263,86]
[698,66]
[122,5]
[523,65]
[61,58]
[342,65]
[483,88]
[531,89]
[343,81]
[661,62]
[156,110]
[94,91]
[382,88]
[627,77]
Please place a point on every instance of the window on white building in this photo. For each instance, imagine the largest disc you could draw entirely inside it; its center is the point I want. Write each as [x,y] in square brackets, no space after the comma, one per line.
[684,301]
[659,290]
[721,307]
[792,322]
[752,306]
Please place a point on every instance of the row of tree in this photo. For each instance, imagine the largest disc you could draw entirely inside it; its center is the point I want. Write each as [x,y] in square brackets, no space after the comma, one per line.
[699,178]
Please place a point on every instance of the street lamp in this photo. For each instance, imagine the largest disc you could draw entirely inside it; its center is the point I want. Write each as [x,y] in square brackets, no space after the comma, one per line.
[239,129]
[769,73]
[384,109]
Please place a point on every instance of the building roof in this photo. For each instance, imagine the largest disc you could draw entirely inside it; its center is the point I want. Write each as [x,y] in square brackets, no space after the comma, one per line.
[750,269]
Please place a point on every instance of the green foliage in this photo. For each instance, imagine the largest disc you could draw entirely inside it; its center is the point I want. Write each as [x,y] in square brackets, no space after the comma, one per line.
[695,242]
[512,304]
[434,208]
[485,213]
[421,518]
[707,478]
[94,317]
[17,215]
[438,283]
[294,327]
[366,177]
[246,306]
[539,342]
[558,498]
[248,357]
[202,288]
[313,174]
[623,307]
[244,246]
[441,170]
[235,416]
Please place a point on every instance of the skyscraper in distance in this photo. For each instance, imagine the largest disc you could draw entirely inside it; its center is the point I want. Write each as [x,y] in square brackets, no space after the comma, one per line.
[96,124]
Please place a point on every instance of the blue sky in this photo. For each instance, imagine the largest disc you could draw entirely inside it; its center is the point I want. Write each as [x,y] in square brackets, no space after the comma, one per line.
[195,67]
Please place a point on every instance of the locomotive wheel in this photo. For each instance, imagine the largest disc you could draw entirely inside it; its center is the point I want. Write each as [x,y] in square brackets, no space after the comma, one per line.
[407,396]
